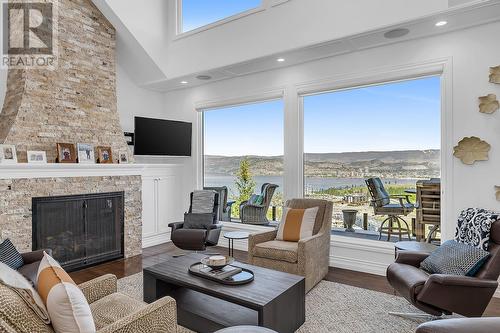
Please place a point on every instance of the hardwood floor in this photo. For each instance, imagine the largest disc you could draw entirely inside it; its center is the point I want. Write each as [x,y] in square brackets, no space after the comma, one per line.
[156,254]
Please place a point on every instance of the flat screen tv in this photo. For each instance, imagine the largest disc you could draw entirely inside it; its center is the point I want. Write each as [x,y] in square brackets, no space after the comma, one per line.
[162,137]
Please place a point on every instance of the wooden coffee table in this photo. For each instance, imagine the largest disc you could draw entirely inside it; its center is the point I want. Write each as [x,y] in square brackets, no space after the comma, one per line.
[274,299]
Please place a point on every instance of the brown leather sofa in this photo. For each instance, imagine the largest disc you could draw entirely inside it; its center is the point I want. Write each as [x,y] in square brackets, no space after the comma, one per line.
[31,262]
[439,294]
[462,325]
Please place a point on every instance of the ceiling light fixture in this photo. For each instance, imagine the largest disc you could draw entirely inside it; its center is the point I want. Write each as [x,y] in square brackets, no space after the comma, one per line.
[396,33]
[441,23]
[280,59]
[184,82]
[204,77]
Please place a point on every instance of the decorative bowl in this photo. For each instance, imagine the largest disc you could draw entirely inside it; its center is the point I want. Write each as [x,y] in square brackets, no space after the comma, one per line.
[206,261]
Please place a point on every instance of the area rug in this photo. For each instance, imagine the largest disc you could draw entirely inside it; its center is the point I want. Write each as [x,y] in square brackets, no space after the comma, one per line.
[332,307]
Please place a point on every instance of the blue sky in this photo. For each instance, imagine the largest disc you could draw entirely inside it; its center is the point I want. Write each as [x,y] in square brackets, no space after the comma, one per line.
[197,13]
[396,116]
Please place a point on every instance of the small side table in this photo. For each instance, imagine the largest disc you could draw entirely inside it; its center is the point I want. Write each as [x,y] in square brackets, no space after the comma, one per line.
[231,236]
[414,246]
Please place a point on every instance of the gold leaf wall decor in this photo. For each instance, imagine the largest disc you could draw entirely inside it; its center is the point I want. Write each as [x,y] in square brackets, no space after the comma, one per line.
[472,149]
[497,192]
[488,104]
[495,74]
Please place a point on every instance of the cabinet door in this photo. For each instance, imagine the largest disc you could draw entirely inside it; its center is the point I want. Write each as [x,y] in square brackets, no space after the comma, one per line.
[169,202]
[149,211]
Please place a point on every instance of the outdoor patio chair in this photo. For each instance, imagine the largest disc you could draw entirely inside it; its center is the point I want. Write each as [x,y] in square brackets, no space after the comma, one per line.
[382,205]
[225,205]
[254,210]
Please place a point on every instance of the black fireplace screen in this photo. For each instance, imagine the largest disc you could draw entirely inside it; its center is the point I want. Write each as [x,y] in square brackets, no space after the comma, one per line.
[81,230]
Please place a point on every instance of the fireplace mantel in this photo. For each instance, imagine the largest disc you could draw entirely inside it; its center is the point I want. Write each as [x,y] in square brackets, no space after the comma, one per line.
[55,170]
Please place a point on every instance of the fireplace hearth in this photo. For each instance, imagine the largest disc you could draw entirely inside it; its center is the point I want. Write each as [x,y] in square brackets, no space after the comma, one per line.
[82,230]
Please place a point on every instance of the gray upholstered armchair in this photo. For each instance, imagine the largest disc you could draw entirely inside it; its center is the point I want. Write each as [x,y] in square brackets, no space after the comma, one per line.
[308,257]
[252,212]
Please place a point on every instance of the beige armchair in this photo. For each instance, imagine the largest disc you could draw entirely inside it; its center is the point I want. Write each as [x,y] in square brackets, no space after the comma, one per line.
[309,257]
[113,312]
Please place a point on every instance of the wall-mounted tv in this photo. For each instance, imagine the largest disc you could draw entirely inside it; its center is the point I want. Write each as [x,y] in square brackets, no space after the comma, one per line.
[162,137]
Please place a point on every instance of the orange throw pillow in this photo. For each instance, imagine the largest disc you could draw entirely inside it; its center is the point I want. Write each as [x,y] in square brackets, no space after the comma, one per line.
[297,224]
[68,308]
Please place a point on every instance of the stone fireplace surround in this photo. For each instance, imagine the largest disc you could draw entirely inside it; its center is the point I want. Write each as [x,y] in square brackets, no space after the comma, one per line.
[20,183]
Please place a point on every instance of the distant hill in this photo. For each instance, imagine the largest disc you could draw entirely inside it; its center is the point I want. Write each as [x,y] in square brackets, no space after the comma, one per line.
[404,164]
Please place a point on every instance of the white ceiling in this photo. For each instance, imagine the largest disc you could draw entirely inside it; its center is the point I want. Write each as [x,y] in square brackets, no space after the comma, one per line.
[460,16]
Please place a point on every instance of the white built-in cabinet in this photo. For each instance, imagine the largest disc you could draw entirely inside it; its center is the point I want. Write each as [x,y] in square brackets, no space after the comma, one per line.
[162,202]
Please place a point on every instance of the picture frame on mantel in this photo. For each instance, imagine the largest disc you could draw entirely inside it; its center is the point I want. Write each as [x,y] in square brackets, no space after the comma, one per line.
[104,155]
[123,157]
[37,157]
[66,153]
[8,154]
[86,153]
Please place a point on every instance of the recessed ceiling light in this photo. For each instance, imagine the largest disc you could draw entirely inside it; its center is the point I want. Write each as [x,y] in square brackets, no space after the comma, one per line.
[204,77]
[184,82]
[280,59]
[441,23]
[396,33]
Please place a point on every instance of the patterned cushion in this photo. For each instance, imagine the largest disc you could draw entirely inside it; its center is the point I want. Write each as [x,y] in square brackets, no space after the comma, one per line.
[203,202]
[9,255]
[113,307]
[455,258]
[68,308]
[277,250]
[473,227]
[18,283]
[297,224]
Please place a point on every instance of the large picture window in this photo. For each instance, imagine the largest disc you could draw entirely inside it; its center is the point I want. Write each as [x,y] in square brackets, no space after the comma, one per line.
[199,13]
[390,131]
[243,150]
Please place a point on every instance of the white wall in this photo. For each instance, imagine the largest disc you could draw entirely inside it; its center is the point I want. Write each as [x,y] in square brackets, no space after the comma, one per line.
[470,53]
[291,25]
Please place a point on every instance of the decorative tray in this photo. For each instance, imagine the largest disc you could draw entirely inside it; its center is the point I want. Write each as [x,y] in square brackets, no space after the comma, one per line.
[242,277]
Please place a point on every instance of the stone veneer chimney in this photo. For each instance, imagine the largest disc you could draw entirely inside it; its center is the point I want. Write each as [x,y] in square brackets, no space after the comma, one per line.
[76,103]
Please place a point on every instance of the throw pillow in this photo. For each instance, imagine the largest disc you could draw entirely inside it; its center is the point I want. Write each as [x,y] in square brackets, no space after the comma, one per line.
[297,224]
[10,256]
[68,308]
[473,227]
[18,283]
[455,258]
[198,221]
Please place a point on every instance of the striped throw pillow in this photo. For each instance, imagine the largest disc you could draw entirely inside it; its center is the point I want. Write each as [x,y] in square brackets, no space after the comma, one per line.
[10,256]
[297,224]
[68,308]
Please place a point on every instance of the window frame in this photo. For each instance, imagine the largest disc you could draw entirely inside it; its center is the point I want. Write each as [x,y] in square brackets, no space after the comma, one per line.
[179,19]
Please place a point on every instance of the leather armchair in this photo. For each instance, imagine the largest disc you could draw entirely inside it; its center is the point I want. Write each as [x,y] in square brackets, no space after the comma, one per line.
[31,262]
[438,294]
[461,325]
[197,239]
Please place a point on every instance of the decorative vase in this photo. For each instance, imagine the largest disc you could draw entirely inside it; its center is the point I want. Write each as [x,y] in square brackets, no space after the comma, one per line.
[349,219]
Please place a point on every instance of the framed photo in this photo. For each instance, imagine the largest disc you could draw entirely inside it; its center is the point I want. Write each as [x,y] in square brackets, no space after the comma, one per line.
[104,155]
[66,153]
[8,154]
[123,157]
[37,157]
[86,153]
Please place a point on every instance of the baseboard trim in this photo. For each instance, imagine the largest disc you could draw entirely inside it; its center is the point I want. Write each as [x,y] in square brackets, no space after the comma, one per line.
[358,265]
[156,240]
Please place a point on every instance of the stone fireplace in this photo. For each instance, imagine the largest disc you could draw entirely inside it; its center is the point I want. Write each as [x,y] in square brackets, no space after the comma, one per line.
[75,103]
